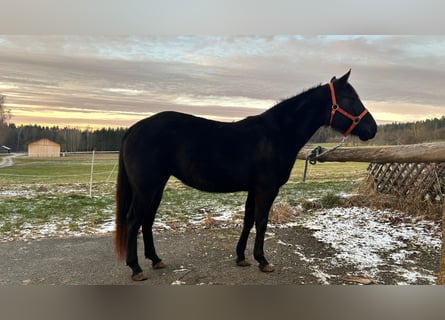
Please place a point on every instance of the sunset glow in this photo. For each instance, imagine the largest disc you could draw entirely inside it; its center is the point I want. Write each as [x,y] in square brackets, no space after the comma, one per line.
[94,82]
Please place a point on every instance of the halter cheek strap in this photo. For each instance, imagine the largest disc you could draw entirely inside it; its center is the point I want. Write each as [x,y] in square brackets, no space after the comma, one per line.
[336,108]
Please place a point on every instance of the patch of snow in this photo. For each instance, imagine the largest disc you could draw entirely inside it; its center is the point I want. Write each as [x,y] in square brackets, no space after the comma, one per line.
[225,215]
[368,239]
[160,225]
[107,226]
[48,229]
[323,278]
[181,269]
[284,243]
[413,276]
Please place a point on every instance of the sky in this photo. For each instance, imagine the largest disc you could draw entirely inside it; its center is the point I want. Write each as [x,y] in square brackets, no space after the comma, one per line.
[126,63]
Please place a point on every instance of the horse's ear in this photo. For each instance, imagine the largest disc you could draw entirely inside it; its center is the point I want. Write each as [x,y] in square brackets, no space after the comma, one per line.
[333,79]
[345,77]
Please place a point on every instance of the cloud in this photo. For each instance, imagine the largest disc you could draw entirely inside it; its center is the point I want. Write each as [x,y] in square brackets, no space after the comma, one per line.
[225,77]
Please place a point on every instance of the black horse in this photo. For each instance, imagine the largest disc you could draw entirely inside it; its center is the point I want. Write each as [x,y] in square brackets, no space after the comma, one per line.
[255,154]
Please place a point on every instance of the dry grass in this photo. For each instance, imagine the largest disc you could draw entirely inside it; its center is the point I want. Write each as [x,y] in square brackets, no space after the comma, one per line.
[210,222]
[412,205]
[282,213]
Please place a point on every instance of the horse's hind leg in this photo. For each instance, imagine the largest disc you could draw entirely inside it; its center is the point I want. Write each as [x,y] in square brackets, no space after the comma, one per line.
[135,216]
[142,213]
[147,224]
[249,219]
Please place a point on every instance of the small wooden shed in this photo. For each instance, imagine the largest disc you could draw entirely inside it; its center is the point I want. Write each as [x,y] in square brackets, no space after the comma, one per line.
[44,148]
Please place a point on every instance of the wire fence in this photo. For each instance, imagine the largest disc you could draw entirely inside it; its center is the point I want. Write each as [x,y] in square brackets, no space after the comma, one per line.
[79,167]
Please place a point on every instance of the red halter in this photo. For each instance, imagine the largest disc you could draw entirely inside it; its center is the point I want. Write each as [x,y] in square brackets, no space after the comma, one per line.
[335,107]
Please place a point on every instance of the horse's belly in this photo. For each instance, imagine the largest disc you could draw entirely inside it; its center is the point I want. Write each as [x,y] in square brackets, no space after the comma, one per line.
[214,183]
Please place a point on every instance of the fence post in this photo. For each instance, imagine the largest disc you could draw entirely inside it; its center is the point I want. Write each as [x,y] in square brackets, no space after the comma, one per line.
[91,173]
[442,256]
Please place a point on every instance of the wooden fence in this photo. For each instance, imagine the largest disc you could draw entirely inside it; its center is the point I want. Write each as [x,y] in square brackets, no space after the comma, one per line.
[418,180]
[410,170]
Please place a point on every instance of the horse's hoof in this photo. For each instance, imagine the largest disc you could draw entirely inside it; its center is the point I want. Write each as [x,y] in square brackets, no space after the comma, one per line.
[267,268]
[139,277]
[243,263]
[159,265]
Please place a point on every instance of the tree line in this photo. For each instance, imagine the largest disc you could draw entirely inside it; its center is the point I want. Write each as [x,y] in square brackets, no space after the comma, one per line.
[17,138]
[70,139]
[395,133]
[108,139]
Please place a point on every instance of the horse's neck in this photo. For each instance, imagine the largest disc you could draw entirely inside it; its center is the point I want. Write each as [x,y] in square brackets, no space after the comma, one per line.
[300,117]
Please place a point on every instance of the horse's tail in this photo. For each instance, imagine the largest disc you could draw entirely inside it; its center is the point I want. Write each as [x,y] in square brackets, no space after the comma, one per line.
[124,197]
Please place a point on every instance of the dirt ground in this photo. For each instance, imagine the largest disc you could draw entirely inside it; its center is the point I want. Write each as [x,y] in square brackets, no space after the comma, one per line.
[194,257]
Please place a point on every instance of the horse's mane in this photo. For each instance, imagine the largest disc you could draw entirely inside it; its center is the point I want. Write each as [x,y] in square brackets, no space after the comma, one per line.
[291,100]
[302,94]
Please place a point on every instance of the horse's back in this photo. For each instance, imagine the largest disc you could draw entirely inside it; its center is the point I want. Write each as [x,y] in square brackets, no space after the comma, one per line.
[174,127]
[205,154]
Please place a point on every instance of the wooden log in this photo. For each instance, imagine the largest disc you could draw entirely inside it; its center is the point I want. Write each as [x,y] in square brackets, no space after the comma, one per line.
[414,153]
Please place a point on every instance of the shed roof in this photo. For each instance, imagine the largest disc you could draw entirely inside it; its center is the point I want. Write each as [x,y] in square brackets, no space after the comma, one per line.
[44,142]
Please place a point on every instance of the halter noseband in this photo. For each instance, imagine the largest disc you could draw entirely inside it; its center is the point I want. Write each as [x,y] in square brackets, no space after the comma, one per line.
[335,107]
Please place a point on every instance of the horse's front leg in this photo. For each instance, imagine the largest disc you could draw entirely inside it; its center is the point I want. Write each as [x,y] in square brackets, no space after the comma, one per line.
[263,203]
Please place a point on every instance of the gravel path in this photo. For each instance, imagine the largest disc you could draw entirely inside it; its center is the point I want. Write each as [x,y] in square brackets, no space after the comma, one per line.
[196,256]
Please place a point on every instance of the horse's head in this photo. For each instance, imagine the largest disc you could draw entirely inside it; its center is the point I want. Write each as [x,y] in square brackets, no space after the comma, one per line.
[348,114]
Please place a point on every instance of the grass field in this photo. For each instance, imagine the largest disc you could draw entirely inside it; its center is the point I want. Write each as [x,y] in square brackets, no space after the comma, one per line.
[43,196]
[77,169]
[69,169]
